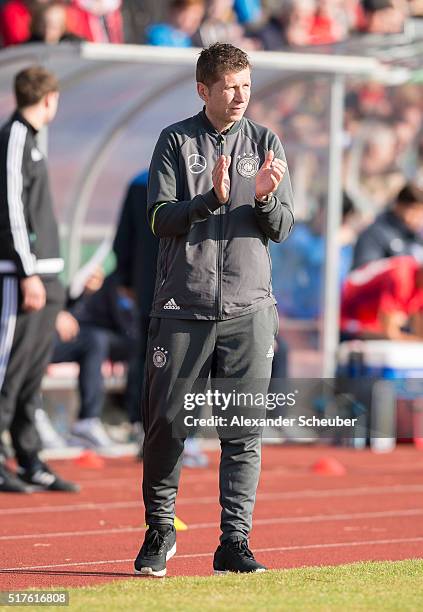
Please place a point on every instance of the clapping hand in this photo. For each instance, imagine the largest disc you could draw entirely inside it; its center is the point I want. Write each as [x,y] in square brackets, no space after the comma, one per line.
[220,177]
[270,175]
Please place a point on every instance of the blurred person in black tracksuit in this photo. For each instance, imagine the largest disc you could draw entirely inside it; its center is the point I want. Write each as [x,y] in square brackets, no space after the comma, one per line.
[98,326]
[30,292]
[396,231]
[136,249]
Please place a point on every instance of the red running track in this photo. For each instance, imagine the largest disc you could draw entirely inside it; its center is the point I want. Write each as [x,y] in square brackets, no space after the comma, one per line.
[374,512]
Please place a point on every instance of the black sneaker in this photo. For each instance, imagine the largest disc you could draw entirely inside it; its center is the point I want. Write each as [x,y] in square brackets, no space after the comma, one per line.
[42,478]
[235,556]
[11,483]
[159,546]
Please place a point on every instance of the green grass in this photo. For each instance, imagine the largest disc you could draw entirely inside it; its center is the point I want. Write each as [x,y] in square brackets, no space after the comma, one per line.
[385,586]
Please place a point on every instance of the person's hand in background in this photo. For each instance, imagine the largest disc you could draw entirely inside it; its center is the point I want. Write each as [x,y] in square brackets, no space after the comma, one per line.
[95,280]
[66,326]
[33,294]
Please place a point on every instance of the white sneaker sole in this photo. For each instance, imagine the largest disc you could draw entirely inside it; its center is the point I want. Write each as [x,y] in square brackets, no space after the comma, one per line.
[224,572]
[148,571]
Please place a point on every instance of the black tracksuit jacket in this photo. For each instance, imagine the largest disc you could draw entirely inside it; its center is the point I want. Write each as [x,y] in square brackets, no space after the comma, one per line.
[29,242]
[135,246]
[387,236]
[214,260]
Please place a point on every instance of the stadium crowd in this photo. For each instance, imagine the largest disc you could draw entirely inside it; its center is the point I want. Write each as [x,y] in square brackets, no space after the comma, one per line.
[383,149]
[251,24]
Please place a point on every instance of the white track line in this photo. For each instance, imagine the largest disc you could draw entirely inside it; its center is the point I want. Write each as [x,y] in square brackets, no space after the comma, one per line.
[209,554]
[295,472]
[186,501]
[316,518]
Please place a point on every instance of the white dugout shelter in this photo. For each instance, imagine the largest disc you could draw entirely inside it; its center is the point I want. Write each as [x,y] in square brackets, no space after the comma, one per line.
[116,99]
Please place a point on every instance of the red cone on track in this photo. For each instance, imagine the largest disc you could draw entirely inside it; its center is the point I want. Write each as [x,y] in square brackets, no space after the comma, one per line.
[328,466]
[90,459]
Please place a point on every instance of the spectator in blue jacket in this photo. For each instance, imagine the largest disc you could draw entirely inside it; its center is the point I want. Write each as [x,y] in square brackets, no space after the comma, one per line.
[298,289]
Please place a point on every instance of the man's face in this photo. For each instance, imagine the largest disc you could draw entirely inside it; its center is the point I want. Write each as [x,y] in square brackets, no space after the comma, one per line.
[389,20]
[189,19]
[55,24]
[51,101]
[412,216]
[227,100]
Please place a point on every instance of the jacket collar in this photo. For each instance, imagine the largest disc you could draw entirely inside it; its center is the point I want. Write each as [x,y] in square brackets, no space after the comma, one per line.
[212,130]
[17,116]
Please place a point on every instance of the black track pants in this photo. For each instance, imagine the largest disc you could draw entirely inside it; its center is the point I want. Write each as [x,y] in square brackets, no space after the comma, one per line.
[185,350]
[25,348]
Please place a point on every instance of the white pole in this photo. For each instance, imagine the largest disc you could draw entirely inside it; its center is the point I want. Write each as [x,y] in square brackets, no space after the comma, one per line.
[330,330]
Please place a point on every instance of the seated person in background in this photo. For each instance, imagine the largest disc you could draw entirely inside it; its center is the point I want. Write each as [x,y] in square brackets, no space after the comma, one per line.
[384,16]
[249,12]
[384,299]
[98,21]
[184,19]
[99,326]
[49,24]
[136,248]
[221,25]
[299,263]
[20,21]
[397,231]
[289,26]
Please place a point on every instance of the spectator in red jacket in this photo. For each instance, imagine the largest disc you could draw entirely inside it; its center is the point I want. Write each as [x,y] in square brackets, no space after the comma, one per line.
[21,21]
[49,24]
[330,23]
[97,21]
[15,20]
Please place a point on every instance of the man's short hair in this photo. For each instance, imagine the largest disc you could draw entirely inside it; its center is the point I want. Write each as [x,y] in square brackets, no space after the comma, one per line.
[219,59]
[32,84]
[177,5]
[409,195]
[372,6]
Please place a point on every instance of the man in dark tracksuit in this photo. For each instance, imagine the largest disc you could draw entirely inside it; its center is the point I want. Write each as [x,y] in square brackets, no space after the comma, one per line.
[219,190]
[136,248]
[396,231]
[30,292]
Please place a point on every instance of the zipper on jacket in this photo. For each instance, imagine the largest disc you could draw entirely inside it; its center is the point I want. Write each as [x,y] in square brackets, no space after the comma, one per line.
[219,250]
